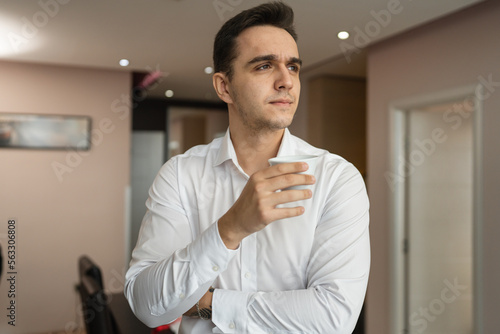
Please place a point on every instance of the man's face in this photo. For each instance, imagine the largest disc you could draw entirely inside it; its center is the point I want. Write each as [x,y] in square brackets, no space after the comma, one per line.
[265,86]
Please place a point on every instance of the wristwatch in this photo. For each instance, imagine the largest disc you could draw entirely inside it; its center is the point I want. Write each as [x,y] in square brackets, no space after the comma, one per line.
[205,313]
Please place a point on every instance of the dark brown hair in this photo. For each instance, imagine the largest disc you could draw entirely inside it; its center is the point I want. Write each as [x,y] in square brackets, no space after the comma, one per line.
[275,14]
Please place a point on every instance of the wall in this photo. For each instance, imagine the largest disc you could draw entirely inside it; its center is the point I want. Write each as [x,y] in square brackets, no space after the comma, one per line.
[182,123]
[148,155]
[456,51]
[337,117]
[79,209]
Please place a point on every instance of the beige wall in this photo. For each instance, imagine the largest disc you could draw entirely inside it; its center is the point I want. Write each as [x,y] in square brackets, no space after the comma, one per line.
[453,52]
[61,216]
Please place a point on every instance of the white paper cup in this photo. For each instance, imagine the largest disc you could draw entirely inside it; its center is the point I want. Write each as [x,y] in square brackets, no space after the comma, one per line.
[309,159]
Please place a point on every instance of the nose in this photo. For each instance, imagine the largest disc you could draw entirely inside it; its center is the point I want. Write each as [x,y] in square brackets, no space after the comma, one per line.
[284,80]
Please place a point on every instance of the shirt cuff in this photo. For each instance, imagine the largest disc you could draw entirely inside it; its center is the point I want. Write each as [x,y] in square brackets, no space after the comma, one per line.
[210,255]
[229,310]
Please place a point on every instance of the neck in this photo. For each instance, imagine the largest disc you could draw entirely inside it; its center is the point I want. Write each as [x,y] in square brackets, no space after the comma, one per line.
[254,149]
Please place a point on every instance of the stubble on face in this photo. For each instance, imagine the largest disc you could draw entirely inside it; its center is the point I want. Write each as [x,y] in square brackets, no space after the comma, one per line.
[256,125]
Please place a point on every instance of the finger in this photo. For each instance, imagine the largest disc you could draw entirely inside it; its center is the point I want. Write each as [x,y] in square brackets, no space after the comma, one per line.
[286,168]
[288,196]
[283,213]
[289,180]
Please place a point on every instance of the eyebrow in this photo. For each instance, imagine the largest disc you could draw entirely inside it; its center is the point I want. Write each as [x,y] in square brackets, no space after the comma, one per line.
[272,57]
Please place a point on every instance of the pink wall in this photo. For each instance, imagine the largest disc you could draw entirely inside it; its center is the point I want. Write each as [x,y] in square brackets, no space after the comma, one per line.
[61,216]
[452,52]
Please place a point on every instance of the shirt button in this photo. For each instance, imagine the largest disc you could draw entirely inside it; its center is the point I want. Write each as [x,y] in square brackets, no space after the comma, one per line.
[231,325]
[248,275]
[215,268]
[181,296]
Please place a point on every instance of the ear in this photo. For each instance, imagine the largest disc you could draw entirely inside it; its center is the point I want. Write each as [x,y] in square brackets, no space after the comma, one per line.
[221,85]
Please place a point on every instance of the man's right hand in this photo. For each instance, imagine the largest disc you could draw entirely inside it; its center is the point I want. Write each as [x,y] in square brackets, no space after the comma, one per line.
[257,205]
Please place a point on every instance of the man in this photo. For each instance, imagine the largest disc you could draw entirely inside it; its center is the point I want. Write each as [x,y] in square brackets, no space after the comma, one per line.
[220,244]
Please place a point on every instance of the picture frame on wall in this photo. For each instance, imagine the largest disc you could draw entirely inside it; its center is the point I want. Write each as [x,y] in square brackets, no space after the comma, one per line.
[40,131]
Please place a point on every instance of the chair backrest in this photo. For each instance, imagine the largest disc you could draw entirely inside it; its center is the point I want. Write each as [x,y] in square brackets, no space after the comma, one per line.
[87,267]
[96,314]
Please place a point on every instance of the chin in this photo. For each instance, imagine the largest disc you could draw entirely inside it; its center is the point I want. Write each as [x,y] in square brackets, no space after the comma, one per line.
[281,125]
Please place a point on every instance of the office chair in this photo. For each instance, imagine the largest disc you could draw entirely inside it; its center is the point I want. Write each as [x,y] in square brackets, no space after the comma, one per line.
[96,314]
[87,267]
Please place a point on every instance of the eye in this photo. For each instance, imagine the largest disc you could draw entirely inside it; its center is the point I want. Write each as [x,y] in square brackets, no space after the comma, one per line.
[263,67]
[293,67]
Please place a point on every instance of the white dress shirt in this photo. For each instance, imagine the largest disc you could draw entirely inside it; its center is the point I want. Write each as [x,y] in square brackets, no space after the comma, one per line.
[306,274]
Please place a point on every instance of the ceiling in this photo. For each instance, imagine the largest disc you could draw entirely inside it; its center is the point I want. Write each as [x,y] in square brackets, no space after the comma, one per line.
[176,36]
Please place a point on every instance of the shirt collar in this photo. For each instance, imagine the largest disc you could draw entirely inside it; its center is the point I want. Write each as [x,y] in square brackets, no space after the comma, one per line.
[227,152]
[286,146]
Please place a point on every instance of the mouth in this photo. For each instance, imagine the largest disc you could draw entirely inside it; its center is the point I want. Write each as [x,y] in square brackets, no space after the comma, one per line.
[281,102]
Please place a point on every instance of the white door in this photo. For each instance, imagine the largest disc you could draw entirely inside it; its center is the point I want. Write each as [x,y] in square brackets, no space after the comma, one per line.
[439,219]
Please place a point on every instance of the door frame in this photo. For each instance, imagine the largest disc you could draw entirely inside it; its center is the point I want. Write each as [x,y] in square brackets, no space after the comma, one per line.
[398,110]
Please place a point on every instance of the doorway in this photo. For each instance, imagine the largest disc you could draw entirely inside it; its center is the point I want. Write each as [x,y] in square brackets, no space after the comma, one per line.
[435,220]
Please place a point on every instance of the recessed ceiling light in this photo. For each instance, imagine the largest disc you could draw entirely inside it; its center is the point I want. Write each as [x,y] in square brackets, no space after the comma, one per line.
[169,93]
[124,62]
[209,70]
[343,35]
